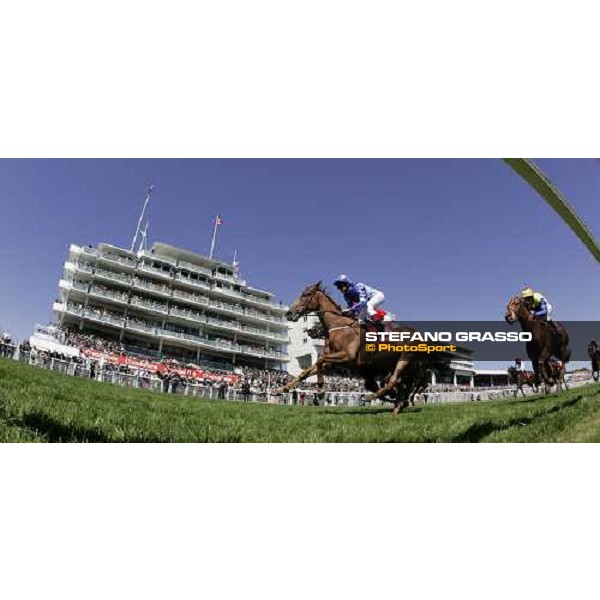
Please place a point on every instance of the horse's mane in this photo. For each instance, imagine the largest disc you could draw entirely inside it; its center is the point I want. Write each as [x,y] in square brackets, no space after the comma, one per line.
[321,288]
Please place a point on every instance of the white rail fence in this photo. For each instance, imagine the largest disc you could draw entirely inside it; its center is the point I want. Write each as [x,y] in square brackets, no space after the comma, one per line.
[307,397]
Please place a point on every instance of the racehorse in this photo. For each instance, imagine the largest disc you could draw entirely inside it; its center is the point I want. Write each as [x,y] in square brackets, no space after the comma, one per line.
[521,379]
[594,354]
[548,339]
[404,374]
[557,372]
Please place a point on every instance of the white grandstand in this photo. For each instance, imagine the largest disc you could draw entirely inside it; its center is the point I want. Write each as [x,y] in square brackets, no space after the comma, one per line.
[172,303]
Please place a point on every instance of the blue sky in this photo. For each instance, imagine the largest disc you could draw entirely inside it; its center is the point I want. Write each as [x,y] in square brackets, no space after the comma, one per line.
[444,239]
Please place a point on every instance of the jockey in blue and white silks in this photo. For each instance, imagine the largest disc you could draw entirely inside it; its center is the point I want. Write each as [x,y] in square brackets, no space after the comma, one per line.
[538,306]
[359,297]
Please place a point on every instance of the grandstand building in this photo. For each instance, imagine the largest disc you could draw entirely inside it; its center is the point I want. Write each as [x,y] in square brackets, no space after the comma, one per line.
[303,349]
[170,303]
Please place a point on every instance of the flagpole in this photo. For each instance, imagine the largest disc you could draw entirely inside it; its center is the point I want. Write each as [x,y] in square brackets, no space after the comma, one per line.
[214,237]
[137,230]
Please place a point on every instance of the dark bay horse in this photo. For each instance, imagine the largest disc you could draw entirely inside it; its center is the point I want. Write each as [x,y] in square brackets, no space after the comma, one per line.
[548,340]
[520,379]
[342,347]
[594,354]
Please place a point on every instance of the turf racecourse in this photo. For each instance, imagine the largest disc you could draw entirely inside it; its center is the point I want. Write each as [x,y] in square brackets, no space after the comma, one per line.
[42,406]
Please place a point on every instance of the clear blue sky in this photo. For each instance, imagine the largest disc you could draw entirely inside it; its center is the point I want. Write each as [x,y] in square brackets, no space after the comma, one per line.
[444,239]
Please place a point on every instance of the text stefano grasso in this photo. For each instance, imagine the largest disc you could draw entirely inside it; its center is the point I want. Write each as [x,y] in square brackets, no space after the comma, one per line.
[447,336]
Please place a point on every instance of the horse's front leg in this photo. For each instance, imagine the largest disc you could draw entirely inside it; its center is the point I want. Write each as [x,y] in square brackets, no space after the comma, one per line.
[304,375]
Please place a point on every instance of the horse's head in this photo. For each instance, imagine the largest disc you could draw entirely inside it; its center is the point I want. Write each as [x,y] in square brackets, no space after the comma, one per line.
[308,301]
[515,310]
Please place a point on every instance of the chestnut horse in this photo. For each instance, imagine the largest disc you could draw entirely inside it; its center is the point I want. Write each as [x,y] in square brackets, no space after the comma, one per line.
[548,340]
[342,347]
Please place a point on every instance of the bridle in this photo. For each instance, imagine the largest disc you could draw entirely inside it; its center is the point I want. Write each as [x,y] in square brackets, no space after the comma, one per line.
[320,313]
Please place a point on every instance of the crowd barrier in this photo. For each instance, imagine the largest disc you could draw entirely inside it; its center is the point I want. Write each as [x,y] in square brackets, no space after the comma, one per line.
[306,397]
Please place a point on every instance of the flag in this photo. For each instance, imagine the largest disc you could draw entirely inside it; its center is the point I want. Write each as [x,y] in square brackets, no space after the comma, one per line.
[218,221]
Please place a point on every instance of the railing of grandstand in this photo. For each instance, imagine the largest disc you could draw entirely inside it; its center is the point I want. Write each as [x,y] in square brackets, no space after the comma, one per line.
[223,323]
[194,282]
[108,274]
[148,268]
[103,316]
[85,266]
[149,285]
[140,326]
[191,297]
[192,267]
[80,285]
[161,307]
[222,276]
[108,293]
[116,258]
[186,314]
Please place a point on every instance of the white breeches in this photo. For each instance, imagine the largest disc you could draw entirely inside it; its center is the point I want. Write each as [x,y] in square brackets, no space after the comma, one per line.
[377,299]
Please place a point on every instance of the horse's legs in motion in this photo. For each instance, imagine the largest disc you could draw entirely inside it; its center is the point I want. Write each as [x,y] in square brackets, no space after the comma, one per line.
[320,380]
[304,375]
[391,382]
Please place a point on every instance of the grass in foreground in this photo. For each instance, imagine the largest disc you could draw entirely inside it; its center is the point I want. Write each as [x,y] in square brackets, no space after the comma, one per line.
[42,406]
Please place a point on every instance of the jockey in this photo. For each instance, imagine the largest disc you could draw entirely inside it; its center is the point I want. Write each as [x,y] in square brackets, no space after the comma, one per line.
[538,306]
[359,297]
[519,366]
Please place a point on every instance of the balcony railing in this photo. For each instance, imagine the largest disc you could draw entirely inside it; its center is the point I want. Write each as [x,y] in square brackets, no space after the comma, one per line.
[154,270]
[137,326]
[107,274]
[78,285]
[155,287]
[187,314]
[148,304]
[113,295]
[122,260]
[196,283]
[191,297]
[84,266]
[104,317]
[192,267]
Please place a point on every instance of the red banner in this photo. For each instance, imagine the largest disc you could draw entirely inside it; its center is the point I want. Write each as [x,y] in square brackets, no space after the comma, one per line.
[154,367]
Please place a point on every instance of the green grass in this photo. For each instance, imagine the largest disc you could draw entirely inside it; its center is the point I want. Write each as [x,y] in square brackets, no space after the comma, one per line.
[42,406]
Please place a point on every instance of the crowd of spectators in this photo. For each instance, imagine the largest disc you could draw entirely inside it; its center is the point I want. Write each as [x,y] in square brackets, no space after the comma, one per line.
[7,348]
[89,341]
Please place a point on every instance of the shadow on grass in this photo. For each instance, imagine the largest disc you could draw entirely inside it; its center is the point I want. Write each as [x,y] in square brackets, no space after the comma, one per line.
[477,432]
[55,431]
[362,411]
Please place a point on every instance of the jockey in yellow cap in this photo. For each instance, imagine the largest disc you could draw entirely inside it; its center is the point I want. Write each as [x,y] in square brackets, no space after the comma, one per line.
[538,306]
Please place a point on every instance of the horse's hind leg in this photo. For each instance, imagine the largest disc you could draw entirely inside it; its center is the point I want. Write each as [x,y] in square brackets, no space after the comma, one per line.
[391,382]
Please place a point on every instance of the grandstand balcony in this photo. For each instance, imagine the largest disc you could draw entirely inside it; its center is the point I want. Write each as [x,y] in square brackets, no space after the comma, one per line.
[112,276]
[140,327]
[107,257]
[110,319]
[156,271]
[155,288]
[194,298]
[158,307]
[195,283]
[112,295]
[183,264]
